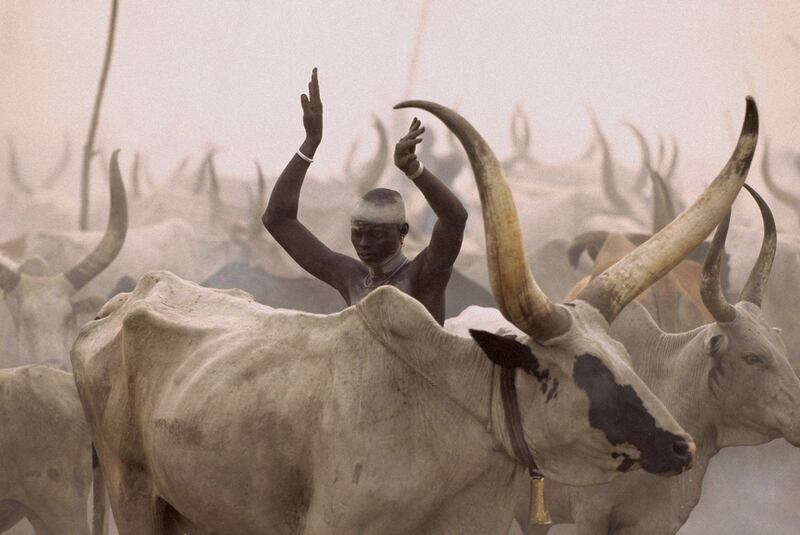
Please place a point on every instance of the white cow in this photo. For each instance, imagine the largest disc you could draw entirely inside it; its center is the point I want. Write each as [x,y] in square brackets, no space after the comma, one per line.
[45,453]
[728,382]
[44,307]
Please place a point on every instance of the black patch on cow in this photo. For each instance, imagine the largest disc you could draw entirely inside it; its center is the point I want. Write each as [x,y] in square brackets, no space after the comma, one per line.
[620,414]
[506,352]
[627,462]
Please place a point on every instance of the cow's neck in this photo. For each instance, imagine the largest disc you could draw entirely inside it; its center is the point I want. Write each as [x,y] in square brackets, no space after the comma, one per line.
[463,373]
[473,381]
[459,369]
[675,368]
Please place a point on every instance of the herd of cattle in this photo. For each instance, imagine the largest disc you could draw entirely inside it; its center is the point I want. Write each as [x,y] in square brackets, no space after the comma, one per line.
[222,390]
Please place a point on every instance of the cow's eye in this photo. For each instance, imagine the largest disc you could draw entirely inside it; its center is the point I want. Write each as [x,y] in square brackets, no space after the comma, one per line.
[754,360]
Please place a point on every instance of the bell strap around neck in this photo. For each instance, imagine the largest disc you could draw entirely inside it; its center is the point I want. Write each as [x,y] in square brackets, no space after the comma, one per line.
[508,391]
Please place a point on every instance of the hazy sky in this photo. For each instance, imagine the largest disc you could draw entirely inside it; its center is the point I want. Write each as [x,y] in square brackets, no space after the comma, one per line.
[190,73]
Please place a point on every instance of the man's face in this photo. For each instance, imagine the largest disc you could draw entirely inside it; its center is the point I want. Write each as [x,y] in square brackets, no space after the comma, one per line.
[376,243]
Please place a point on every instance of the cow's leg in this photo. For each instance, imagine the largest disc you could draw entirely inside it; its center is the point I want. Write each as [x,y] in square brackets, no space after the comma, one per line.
[136,515]
[136,510]
[10,514]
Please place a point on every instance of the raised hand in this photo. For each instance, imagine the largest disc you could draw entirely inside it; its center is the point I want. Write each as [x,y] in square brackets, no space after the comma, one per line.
[312,110]
[404,156]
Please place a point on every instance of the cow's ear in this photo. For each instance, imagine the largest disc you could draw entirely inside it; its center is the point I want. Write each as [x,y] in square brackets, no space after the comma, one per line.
[504,351]
[716,344]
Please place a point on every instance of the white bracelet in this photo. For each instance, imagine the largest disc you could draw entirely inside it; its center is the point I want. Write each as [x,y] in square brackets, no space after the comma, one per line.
[303,156]
[415,175]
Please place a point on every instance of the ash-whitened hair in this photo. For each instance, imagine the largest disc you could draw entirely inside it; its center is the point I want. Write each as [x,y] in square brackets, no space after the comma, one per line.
[380,205]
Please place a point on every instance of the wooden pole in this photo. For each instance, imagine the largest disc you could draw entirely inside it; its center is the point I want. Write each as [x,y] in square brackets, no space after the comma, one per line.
[88,148]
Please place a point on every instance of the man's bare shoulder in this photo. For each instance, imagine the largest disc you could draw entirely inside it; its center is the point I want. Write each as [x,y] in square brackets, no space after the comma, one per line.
[426,271]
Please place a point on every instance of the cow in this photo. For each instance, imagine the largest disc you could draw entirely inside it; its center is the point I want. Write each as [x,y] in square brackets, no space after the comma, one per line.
[44,307]
[311,295]
[30,206]
[45,453]
[674,302]
[729,383]
[376,419]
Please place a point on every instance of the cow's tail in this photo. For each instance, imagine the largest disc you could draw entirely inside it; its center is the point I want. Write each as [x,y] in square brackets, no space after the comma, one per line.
[99,522]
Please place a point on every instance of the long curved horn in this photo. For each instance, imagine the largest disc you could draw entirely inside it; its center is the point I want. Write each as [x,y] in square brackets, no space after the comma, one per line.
[374,169]
[757,281]
[214,199]
[60,167]
[201,176]
[710,285]
[136,190]
[661,151]
[663,209]
[622,282]
[609,179]
[783,195]
[13,168]
[114,237]
[518,296]
[261,189]
[213,181]
[644,148]
[520,131]
[673,162]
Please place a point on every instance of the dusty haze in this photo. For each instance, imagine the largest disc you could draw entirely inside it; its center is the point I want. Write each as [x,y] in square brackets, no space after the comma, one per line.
[190,74]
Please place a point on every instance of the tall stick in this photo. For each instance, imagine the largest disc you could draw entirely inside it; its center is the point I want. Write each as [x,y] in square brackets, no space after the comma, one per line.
[399,120]
[424,11]
[88,148]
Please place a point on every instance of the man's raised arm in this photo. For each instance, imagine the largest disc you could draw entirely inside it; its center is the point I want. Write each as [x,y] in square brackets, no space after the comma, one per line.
[451,215]
[280,217]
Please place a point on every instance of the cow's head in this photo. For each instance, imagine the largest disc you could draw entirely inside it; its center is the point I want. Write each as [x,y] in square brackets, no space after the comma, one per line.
[587,416]
[754,387]
[45,308]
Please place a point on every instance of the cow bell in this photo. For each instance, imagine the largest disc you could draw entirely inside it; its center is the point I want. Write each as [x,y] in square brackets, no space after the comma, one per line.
[539,515]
